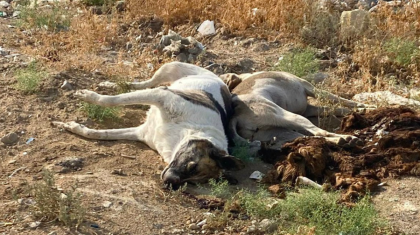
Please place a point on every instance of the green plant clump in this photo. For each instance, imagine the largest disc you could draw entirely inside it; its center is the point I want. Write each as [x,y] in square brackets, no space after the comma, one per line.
[316,210]
[100,113]
[28,78]
[300,62]
[54,205]
[53,19]
[401,51]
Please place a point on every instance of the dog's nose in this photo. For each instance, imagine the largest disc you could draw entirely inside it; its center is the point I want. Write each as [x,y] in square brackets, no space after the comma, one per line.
[171,180]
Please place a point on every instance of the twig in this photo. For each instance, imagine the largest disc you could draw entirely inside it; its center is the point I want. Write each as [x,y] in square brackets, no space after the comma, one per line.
[15,171]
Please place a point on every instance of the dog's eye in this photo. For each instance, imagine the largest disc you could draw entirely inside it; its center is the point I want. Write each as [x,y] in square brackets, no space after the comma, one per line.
[191,166]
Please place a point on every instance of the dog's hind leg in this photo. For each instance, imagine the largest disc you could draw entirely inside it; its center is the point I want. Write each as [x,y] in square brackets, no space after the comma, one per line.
[315,111]
[134,133]
[273,115]
[166,74]
[315,92]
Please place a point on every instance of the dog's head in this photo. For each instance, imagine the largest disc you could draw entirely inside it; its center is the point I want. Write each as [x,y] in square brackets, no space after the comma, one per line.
[197,161]
[231,80]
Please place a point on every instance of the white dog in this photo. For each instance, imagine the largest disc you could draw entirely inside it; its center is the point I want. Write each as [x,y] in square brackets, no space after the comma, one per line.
[273,105]
[185,124]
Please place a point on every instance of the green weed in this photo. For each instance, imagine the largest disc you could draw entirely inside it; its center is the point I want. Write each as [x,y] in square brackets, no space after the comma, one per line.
[54,205]
[219,188]
[320,211]
[300,62]
[242,151]
[53,19]
[401,51]
[100,113]
[29,78]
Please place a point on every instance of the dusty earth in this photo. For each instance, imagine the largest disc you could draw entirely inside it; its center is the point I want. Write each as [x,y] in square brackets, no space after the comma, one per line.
[119,180]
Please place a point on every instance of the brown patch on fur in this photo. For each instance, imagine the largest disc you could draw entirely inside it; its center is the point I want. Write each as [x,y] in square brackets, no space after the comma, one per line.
[391,152]
[245,87]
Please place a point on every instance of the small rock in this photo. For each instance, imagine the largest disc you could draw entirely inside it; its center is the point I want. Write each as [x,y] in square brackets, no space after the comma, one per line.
[317,77]
[96,10]
[72,163]
[246,65]
[107,204]
[158,226]
[10,138]
[120,6]
[128,46]
[16,13]
[66,86]
[12,161]
[63,196]
[4,4]
[247,42]
[61,105]
[251,229]
[118,172]
[194,50]
[34,225]
[181,57]
[268,226]
[261,47]
[194,227]
[256,175]
[201,223]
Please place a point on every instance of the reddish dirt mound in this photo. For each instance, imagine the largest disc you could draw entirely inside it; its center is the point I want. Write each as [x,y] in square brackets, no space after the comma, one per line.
[391,148]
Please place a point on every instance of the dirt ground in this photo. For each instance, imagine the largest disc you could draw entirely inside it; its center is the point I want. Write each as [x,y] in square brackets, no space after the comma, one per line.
[119,180]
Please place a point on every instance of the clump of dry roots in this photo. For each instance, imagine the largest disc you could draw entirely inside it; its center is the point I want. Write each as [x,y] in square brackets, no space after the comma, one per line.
[391,148]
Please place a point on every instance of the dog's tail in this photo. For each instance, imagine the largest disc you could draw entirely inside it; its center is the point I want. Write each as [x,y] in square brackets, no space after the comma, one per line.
[315,93]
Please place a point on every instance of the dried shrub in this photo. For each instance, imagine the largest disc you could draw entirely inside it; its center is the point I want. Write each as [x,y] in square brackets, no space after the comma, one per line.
[287,16]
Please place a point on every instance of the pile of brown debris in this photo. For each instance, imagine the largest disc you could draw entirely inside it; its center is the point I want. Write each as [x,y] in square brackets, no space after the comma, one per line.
[391,148]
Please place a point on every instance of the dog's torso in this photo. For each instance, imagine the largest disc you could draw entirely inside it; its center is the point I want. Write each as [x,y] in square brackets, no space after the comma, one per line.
[202,115]
[284,89]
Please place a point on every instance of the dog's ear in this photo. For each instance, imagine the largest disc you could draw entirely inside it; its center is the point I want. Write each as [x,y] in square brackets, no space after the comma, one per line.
[226,161]
[231,80]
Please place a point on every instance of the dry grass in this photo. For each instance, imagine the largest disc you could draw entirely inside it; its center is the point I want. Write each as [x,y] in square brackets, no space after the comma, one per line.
[286,16]
[89,39]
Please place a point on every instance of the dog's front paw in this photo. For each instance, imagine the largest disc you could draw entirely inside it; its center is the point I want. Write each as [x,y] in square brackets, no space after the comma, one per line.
[108,85]
[86,95]
[69,126]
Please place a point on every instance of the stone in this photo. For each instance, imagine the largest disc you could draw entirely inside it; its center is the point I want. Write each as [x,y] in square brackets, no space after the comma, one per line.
[268,226]
[120,6]
[16,13]
[193,227]
[118,172]
[66,86]
[34,225]
[261,47]
[181,57]
[194,50]
[10,138]
[246,65]
[96,10]
[354,23]
[4,4]
[172,36]
[415,94]
[317,77]
[71,163]
[107,204]
[384,97]
[128,46]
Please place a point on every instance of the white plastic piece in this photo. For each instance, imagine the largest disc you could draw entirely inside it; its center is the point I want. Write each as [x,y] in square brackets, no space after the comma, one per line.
[207,28]
[256,175]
